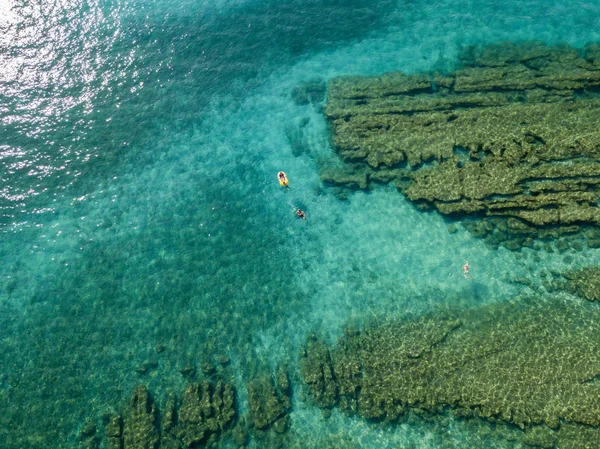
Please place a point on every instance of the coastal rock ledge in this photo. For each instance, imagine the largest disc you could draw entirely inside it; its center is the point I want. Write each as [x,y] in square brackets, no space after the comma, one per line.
[529,368]
[510,138]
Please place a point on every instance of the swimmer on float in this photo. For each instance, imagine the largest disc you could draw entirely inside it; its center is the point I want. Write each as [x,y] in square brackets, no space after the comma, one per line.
[283,180]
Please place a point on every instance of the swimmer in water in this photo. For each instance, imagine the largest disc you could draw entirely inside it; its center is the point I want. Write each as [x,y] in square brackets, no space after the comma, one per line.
[301,214]
[466,273]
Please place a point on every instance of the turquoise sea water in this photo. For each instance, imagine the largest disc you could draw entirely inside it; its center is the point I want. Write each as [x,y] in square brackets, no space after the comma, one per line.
[140,208]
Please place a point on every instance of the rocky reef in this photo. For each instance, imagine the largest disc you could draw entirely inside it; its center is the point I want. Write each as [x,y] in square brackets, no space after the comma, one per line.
[204,415]
[270,403]
[527,364]
[206,412]
[584,282]
[199,418]
[139,429]
[510,137]
[269,399]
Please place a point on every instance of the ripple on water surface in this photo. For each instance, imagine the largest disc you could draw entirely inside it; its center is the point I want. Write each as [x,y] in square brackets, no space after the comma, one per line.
[176,243]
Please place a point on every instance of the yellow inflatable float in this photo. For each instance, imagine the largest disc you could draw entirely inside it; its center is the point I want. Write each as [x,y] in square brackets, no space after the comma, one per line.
[283,180]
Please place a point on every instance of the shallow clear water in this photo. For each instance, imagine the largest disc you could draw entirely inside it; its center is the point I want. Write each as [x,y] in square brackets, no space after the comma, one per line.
[140,208]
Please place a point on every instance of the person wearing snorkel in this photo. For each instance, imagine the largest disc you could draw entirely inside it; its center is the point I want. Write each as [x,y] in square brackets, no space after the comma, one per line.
[466,273]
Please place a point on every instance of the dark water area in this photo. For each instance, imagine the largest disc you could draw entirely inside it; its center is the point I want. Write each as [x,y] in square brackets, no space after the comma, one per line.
[90,83]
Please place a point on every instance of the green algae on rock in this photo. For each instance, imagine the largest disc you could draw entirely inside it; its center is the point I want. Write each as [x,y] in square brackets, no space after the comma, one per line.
[511,135]
[269,403]
[140,430]
[309,92]
[317,371]
[584,282]
[87,435]
[205,413]
[525,364]
[201,417]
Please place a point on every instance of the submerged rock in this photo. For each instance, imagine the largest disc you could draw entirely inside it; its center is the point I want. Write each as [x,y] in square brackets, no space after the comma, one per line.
[309,92]
[317,370]
[223,359]
[584,283]
[270,402]
[524,364]
[146,366]
[512,135]
[240,434]
[114,432]
[87,435]
[139,431]
[188,371]
[206,411]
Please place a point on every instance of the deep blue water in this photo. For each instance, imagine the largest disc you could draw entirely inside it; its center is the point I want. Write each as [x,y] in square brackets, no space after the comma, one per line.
[140,209]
